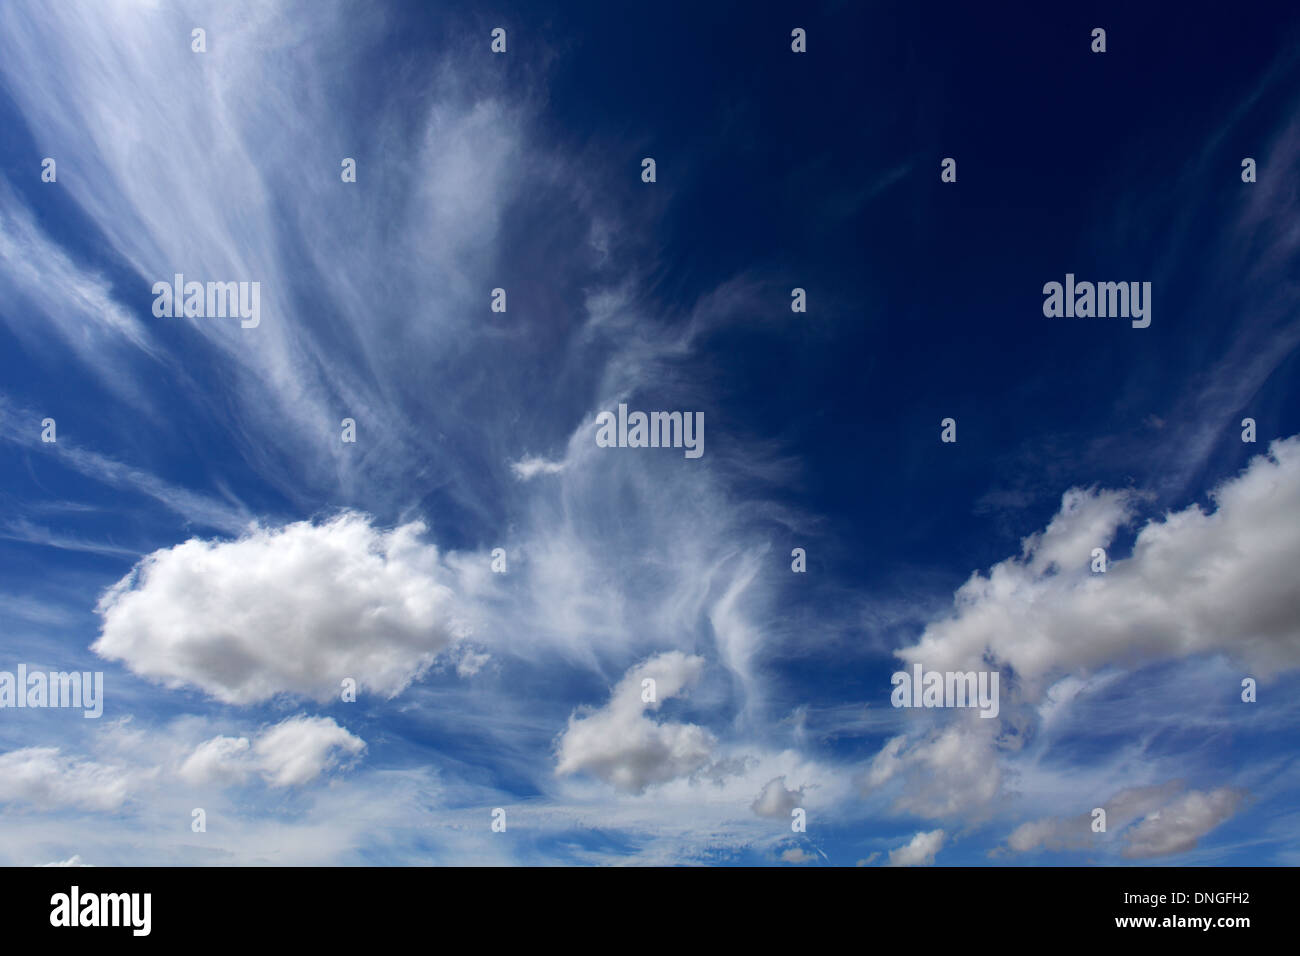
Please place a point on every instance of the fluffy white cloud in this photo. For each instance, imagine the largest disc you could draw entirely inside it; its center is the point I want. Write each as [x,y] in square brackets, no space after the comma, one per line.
[1052,833]
[942,773]
[1177,827]
[1151,821]
[301,748]
[1196,582]
[919,852]
[797,855]
[44,777]
[289,610]
[293,752]
[621,746]
[221,758]
[776,800]
[74,860]
[1076,833]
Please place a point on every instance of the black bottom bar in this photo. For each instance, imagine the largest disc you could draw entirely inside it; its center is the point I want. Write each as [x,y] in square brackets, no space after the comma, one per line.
[642,906]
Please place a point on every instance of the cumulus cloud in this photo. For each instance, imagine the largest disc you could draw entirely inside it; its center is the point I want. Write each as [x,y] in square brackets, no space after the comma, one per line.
[621,746]
[74,860]
[289,610]
[1151,821]
[1076,833]
[221,758]
[1196,582]
[1053,833]
[797,855]
[776,800]
[293,752]
[1178,827]
[919,852]
[942,773]
[44,777]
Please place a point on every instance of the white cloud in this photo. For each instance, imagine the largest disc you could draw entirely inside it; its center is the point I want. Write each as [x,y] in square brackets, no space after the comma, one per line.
[776,801]
[919,852]
[941,773]
[293,752]
[299,749]
[46,778]
[1177,827]
[290,610]
[74,860]
[1150,821]
[1076,833]
[532,466]
[1052,833]
[1195,583]
[469,662]
[621,746]
[797,855]
[218,759]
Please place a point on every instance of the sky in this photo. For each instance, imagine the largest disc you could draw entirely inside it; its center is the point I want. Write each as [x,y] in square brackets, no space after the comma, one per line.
[565,653]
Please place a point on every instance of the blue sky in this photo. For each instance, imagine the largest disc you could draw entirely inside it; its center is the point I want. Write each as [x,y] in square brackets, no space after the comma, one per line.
[201,534]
